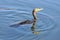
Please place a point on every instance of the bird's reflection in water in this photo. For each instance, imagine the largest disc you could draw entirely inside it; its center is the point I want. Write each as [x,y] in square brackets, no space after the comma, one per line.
[30,21]
[34,27]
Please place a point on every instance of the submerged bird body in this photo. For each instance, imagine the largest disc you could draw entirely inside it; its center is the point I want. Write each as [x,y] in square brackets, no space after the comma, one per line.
[29,21]
[26,22]
[22,23]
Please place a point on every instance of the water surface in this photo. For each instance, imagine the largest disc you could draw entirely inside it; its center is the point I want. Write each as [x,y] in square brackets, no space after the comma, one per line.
[12,11]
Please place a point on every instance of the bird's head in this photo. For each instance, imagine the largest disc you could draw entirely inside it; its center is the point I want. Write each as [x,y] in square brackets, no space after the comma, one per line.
[38,9]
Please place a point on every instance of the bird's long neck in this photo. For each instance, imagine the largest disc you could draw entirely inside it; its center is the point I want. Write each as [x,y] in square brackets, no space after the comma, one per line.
[34,15]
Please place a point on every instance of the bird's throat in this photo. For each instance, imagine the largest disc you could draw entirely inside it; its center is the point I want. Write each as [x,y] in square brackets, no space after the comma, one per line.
[34,16]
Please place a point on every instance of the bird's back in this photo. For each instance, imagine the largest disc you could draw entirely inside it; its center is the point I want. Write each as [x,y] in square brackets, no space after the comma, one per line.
[22,23]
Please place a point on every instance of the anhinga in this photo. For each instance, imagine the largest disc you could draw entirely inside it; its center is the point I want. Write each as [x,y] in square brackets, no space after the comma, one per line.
[29,21]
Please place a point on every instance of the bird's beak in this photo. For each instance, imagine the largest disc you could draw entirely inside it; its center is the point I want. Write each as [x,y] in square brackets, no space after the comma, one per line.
[40,9]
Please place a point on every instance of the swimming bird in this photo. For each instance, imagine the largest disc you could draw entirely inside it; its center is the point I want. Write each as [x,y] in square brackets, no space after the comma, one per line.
[29,21]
